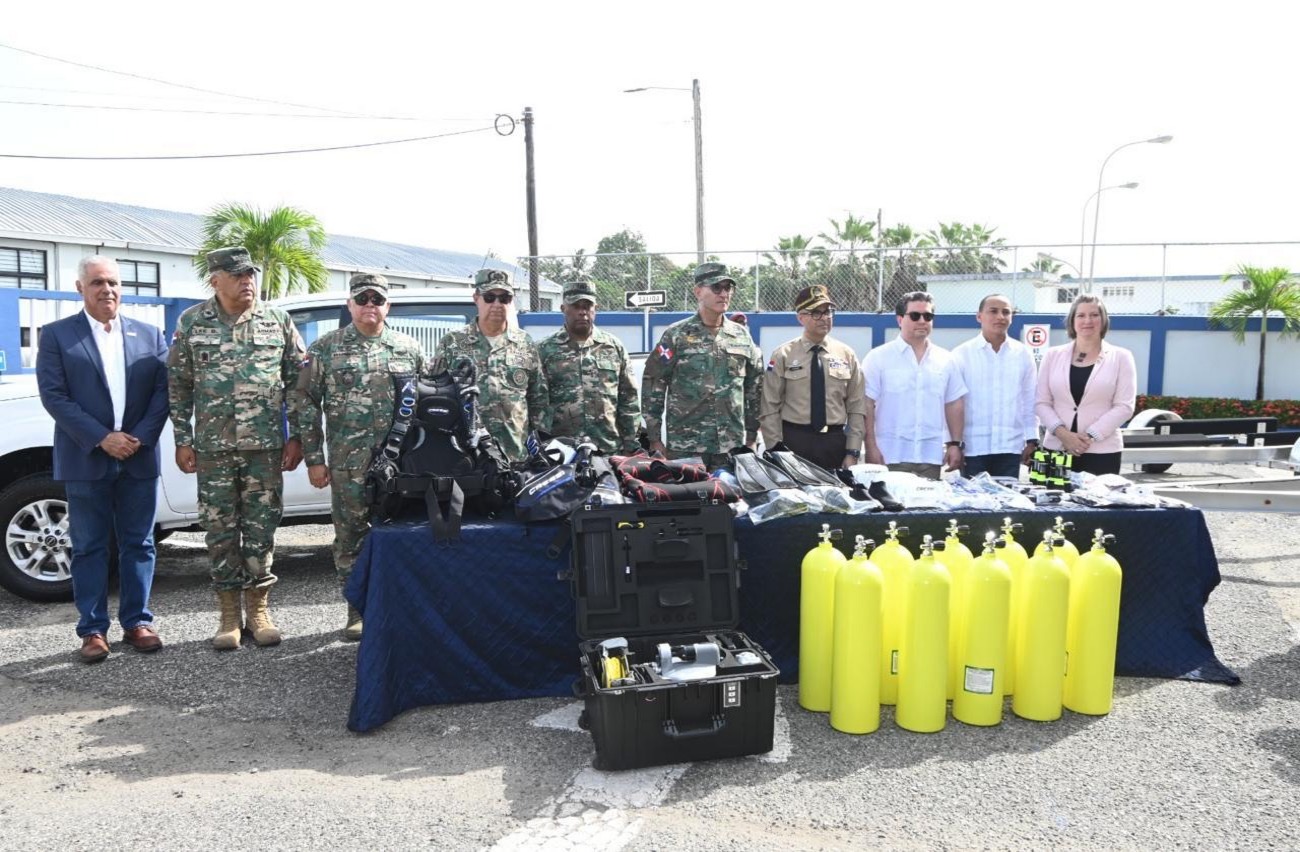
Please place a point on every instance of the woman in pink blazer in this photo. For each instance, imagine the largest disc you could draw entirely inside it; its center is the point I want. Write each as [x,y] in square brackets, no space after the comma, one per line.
[1087,390]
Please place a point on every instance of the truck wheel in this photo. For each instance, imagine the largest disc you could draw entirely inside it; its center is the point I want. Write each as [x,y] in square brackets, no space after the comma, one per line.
[37,559]
[1147,418]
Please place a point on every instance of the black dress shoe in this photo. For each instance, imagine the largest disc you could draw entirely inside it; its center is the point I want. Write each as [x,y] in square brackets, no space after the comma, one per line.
[93,648]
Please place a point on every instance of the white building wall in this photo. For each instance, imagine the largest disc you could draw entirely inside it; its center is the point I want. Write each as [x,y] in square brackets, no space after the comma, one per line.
[1213,364]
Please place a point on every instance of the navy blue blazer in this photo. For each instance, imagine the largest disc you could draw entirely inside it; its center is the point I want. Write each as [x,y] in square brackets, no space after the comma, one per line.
[70,375]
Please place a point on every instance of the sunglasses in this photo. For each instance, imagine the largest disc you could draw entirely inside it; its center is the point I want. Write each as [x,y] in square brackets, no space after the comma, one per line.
[823,314]
[503,298]
[370,299]
[917,316]
[721,286]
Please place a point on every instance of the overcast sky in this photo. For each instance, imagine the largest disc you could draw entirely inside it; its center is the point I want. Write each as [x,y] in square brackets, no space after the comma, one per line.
[996,113]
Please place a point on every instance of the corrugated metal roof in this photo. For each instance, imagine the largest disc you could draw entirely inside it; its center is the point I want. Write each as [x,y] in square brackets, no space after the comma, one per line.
[52,217]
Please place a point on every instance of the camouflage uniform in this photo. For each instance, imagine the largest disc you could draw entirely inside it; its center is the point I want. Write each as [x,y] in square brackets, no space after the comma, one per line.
[512,387]
[712,385]
[348,378]
[591,390]
[231,374]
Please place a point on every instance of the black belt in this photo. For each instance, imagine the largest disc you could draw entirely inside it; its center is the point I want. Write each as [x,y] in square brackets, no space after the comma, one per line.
[805,427]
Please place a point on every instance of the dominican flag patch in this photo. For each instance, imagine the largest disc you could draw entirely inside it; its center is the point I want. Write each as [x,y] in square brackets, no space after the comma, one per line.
[664,352]
[771,365]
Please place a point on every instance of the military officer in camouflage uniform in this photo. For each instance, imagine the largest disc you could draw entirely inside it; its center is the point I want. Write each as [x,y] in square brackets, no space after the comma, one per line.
[233,360]
[348,378]
[589,377]
[704,378]
[512,387]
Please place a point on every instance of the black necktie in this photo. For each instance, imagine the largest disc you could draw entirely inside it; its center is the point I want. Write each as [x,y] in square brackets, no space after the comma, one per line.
[818,390]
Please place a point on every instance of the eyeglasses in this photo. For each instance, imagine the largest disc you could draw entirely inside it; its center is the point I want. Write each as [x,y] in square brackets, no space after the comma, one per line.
[822,314]
[370,299]
[503,298]
[721,286]
[917,316]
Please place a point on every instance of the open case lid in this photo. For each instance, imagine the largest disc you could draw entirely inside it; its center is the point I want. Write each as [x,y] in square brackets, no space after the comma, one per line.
[644,569]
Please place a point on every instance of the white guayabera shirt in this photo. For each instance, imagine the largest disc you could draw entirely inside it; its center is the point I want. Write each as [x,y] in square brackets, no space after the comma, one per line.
[910,396]
[1000,401]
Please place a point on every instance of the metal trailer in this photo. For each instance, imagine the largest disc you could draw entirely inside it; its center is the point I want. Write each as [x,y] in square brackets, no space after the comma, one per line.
[1260,494]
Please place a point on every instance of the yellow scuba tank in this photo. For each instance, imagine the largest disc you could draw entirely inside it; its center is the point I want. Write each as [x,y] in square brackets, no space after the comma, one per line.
[1015,556]
[982,645]
[1040,654]
[956,557]
[855,666]
[923,645]
[816,621]
[1065,551]
[1092,629]
[894,561]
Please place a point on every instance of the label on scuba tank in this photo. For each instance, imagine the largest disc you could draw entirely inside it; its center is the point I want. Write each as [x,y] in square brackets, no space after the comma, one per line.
[893,662]
[978,681]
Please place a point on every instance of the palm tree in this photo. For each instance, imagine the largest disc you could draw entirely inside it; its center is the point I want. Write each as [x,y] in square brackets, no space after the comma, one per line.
[851,236]
[790,255]
[285,242]
[1265,291]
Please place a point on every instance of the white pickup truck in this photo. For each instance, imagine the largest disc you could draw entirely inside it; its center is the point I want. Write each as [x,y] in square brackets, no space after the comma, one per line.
[37,555]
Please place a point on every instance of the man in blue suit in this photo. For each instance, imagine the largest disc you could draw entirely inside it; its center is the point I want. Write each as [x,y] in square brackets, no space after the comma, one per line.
[103,378]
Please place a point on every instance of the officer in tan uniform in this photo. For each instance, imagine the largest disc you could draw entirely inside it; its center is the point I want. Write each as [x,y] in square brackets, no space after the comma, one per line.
[813,397]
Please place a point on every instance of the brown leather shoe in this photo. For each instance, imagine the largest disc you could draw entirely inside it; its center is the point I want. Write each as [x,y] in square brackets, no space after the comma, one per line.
[143,638]
[93,648]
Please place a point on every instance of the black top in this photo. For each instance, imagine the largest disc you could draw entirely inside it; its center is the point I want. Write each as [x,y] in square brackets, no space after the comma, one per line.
[1078,381]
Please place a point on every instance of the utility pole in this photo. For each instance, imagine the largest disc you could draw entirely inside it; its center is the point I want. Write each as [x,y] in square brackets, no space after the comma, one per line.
[530,183]
[699,174]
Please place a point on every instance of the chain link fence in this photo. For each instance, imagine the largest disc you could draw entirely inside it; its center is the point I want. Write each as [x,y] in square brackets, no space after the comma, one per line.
[1183,279]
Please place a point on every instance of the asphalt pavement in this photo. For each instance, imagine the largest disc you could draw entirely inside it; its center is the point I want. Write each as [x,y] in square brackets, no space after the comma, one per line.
[194,749]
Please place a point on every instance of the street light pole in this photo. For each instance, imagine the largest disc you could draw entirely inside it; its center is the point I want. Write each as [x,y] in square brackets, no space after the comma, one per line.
[697,120]
[699,173]
[1101,175]
[1083,220]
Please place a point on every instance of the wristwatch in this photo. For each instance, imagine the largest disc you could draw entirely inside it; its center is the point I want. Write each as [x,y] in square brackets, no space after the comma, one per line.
[961,445]
[857,454]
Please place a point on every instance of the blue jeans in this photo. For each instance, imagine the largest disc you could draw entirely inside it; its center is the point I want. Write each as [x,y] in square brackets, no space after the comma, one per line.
[97,509]
[996,464]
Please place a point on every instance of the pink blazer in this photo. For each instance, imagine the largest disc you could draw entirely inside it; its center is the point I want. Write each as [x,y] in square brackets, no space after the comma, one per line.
[1108,398]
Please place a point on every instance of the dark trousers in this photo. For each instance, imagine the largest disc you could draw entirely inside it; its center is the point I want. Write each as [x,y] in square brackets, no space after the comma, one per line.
[994,464]
[96,510]
[1098,463]
[821,448]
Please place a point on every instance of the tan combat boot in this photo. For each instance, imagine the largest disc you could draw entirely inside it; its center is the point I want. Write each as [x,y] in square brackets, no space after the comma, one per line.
[227,638]
[352,632]
[259,618]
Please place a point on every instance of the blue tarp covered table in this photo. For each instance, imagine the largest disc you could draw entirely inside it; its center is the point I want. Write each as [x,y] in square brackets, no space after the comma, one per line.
[487,619]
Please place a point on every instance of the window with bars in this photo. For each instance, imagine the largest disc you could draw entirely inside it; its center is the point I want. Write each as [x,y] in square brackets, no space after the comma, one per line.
[23,268]
[1065,295]
[139,277]
[1119,292]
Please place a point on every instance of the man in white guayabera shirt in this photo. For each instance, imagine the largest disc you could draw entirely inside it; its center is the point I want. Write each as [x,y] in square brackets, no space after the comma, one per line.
[1001,378]
[914,397]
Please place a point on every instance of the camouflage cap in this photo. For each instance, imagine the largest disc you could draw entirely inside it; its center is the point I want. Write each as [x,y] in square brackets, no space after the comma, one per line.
[811,298]
[487,280]
[577,291]
[712,273]
[364,281]
[232,259]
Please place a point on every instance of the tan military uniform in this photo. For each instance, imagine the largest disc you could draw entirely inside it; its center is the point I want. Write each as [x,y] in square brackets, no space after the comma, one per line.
[787,397]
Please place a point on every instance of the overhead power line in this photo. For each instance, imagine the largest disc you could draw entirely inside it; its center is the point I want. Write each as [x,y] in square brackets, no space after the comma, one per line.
[260,153]
[217,112]
[177,85]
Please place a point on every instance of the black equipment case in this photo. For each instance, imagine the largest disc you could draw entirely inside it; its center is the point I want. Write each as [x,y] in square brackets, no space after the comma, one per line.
[666,575]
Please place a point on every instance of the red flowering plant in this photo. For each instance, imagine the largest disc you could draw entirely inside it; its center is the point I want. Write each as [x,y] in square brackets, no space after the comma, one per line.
[1287,411]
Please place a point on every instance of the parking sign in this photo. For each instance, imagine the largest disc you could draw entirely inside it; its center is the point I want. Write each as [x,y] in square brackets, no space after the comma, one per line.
[1036,337]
